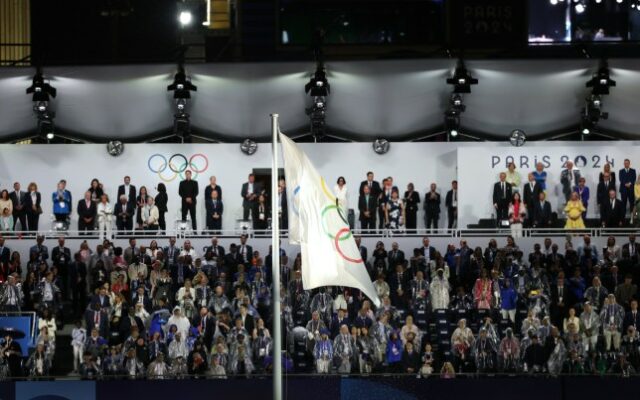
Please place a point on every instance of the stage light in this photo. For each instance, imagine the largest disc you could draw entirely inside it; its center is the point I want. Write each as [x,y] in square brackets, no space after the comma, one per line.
[319,102]
[453,132]
[553,2]
[40,88]
[580,8]
[115,148]
[318,85]
[182,126]
[182,86]
[50,136]
[452,122]
[185,18]
[381,146]
[619,1]
[181,104]
[249,147]
[461,79]
[601,81]
[517,137]
[456,103]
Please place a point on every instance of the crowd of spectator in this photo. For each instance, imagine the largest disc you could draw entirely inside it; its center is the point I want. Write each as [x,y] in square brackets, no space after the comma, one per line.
[159,312]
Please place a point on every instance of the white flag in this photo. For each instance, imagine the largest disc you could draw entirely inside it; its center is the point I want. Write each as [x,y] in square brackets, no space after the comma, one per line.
[330,255]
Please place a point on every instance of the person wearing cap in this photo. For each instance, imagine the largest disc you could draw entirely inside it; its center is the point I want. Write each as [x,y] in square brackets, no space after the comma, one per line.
[611,319]
[323,352]
[589,326]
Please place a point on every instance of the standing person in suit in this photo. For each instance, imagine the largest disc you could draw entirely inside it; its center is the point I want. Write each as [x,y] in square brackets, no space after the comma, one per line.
[261,213]
[501,196]
[607,169]
[245,252]
[61,202]
[373,185]
[367,206]
[627,177]
[604,187]
[188,191]
[124,211]
[5,253]
[283,206]
[541,212]
[86,213]
[19,210]
[432,208]
[212,186]
[32,205]
[161,201]
[383,200]
[411,201]
[214,209]
[630,250]
[61,258]
[451,202]
[569,178]
[128,190]
[583,193]
[171,252]
[612,212]
[530,195]
[250,191]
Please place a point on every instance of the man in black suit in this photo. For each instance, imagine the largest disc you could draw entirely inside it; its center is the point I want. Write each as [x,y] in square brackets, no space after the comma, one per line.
[395,256]
[431,208]
[18,200]
[374,186]
[250,192]
[283,206]
[451,202]
[530,195]
[86,213]
[363,250]
[5,253]
[247,320]
[143,298]
[604,187]
[245,252]
[632,317]
[96,317]
[541,212]
[171,252]
[612,212]
[560,299]
[124,211]
[367,206]
[399,283]
[128,190]
[216,250]
[61,258]
[214,208]
[188,191]
[206,325]
[630,250]
[501,197]
[428,251]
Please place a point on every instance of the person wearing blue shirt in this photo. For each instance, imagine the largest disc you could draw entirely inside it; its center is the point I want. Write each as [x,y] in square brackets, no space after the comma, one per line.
[583,193]
[541,176]
[61,199]
[394,352]
[508,301]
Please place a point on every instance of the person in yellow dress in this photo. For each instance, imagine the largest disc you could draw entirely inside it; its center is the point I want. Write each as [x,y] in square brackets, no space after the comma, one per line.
[636,208]
[574,210]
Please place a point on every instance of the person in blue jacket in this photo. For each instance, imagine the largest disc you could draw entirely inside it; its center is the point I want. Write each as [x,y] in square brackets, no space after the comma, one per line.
[394,352]
[61,199]
[508,301]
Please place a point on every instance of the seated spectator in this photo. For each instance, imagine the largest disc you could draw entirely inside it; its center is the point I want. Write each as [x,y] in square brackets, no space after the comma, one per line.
[484,351]
[447,371]
[461,340]
[89,370]
[323,352]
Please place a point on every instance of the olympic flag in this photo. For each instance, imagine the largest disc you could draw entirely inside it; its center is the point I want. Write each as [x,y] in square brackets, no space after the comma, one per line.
[329,252]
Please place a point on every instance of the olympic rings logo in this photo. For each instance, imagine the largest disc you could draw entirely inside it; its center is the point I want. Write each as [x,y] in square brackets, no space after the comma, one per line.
[177,165]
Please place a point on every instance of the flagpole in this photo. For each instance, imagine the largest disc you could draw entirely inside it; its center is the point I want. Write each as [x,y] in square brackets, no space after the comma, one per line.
[275,265]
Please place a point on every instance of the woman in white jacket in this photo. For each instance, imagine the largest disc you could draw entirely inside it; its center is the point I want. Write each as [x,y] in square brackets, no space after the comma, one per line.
[342,194]
[105,215]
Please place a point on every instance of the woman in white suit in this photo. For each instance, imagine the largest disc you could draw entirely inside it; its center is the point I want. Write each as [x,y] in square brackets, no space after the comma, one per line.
[342,194]
[105,215]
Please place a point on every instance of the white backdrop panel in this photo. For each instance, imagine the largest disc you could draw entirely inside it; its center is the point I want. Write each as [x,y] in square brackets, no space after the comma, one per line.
[480,165]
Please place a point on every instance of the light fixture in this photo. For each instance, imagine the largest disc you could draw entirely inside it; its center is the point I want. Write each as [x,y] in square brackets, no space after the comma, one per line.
[601,81]
[517,137]
[381,146]
[181,104]
[553,2]
[580,8]
[50,135]
[182,126]
[249,147]
[40,88]
[318,85]
[182,86]
[461,79]
[456,103]
[452,122]
[185,18]
[115,148]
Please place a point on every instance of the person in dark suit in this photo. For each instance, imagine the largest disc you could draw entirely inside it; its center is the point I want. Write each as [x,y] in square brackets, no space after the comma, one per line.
[560,300]
[363,250]
[214,209]
[451,202]
[206,325]
[19,210]
[395,256]
[212,186]
[632,317]
[215,249]
[13,354]
[569,178]
[373,185]
[124,211]
[78,281]
[261,213]
[61,258]
[283,205]
[143,298]
[612,212]
[431,208]
[411,200]
[541,212]
[96,317]
[247,320]
[604,186]
[128,190]
[161,201]
[33,208]
[628,178]
[630,250]
[502,194]
[367,205]
[188,191]
[172,252]
[530,195]
[250,191]
[86,213]
[399,283]
[245,251]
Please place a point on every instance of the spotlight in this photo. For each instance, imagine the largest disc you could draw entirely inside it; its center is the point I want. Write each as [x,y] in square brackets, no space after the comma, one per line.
[181,104]
[50,136]
[182,86]
[461,79]
[185,18]
[381,146]
[456,103]
[452,122]
[115,148]
[553,2]
[580,8]
[600,81]
[40,88]
[249,147]
[619,1]
[517,137]
[318,85]
[319,102]
[182,126]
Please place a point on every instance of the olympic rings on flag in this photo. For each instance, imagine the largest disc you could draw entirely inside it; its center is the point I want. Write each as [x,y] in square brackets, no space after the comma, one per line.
[294,206]
[339,250]
[178,164]
[324,225]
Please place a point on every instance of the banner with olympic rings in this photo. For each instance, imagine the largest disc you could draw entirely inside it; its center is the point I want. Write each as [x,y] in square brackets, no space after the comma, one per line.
[168,168]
